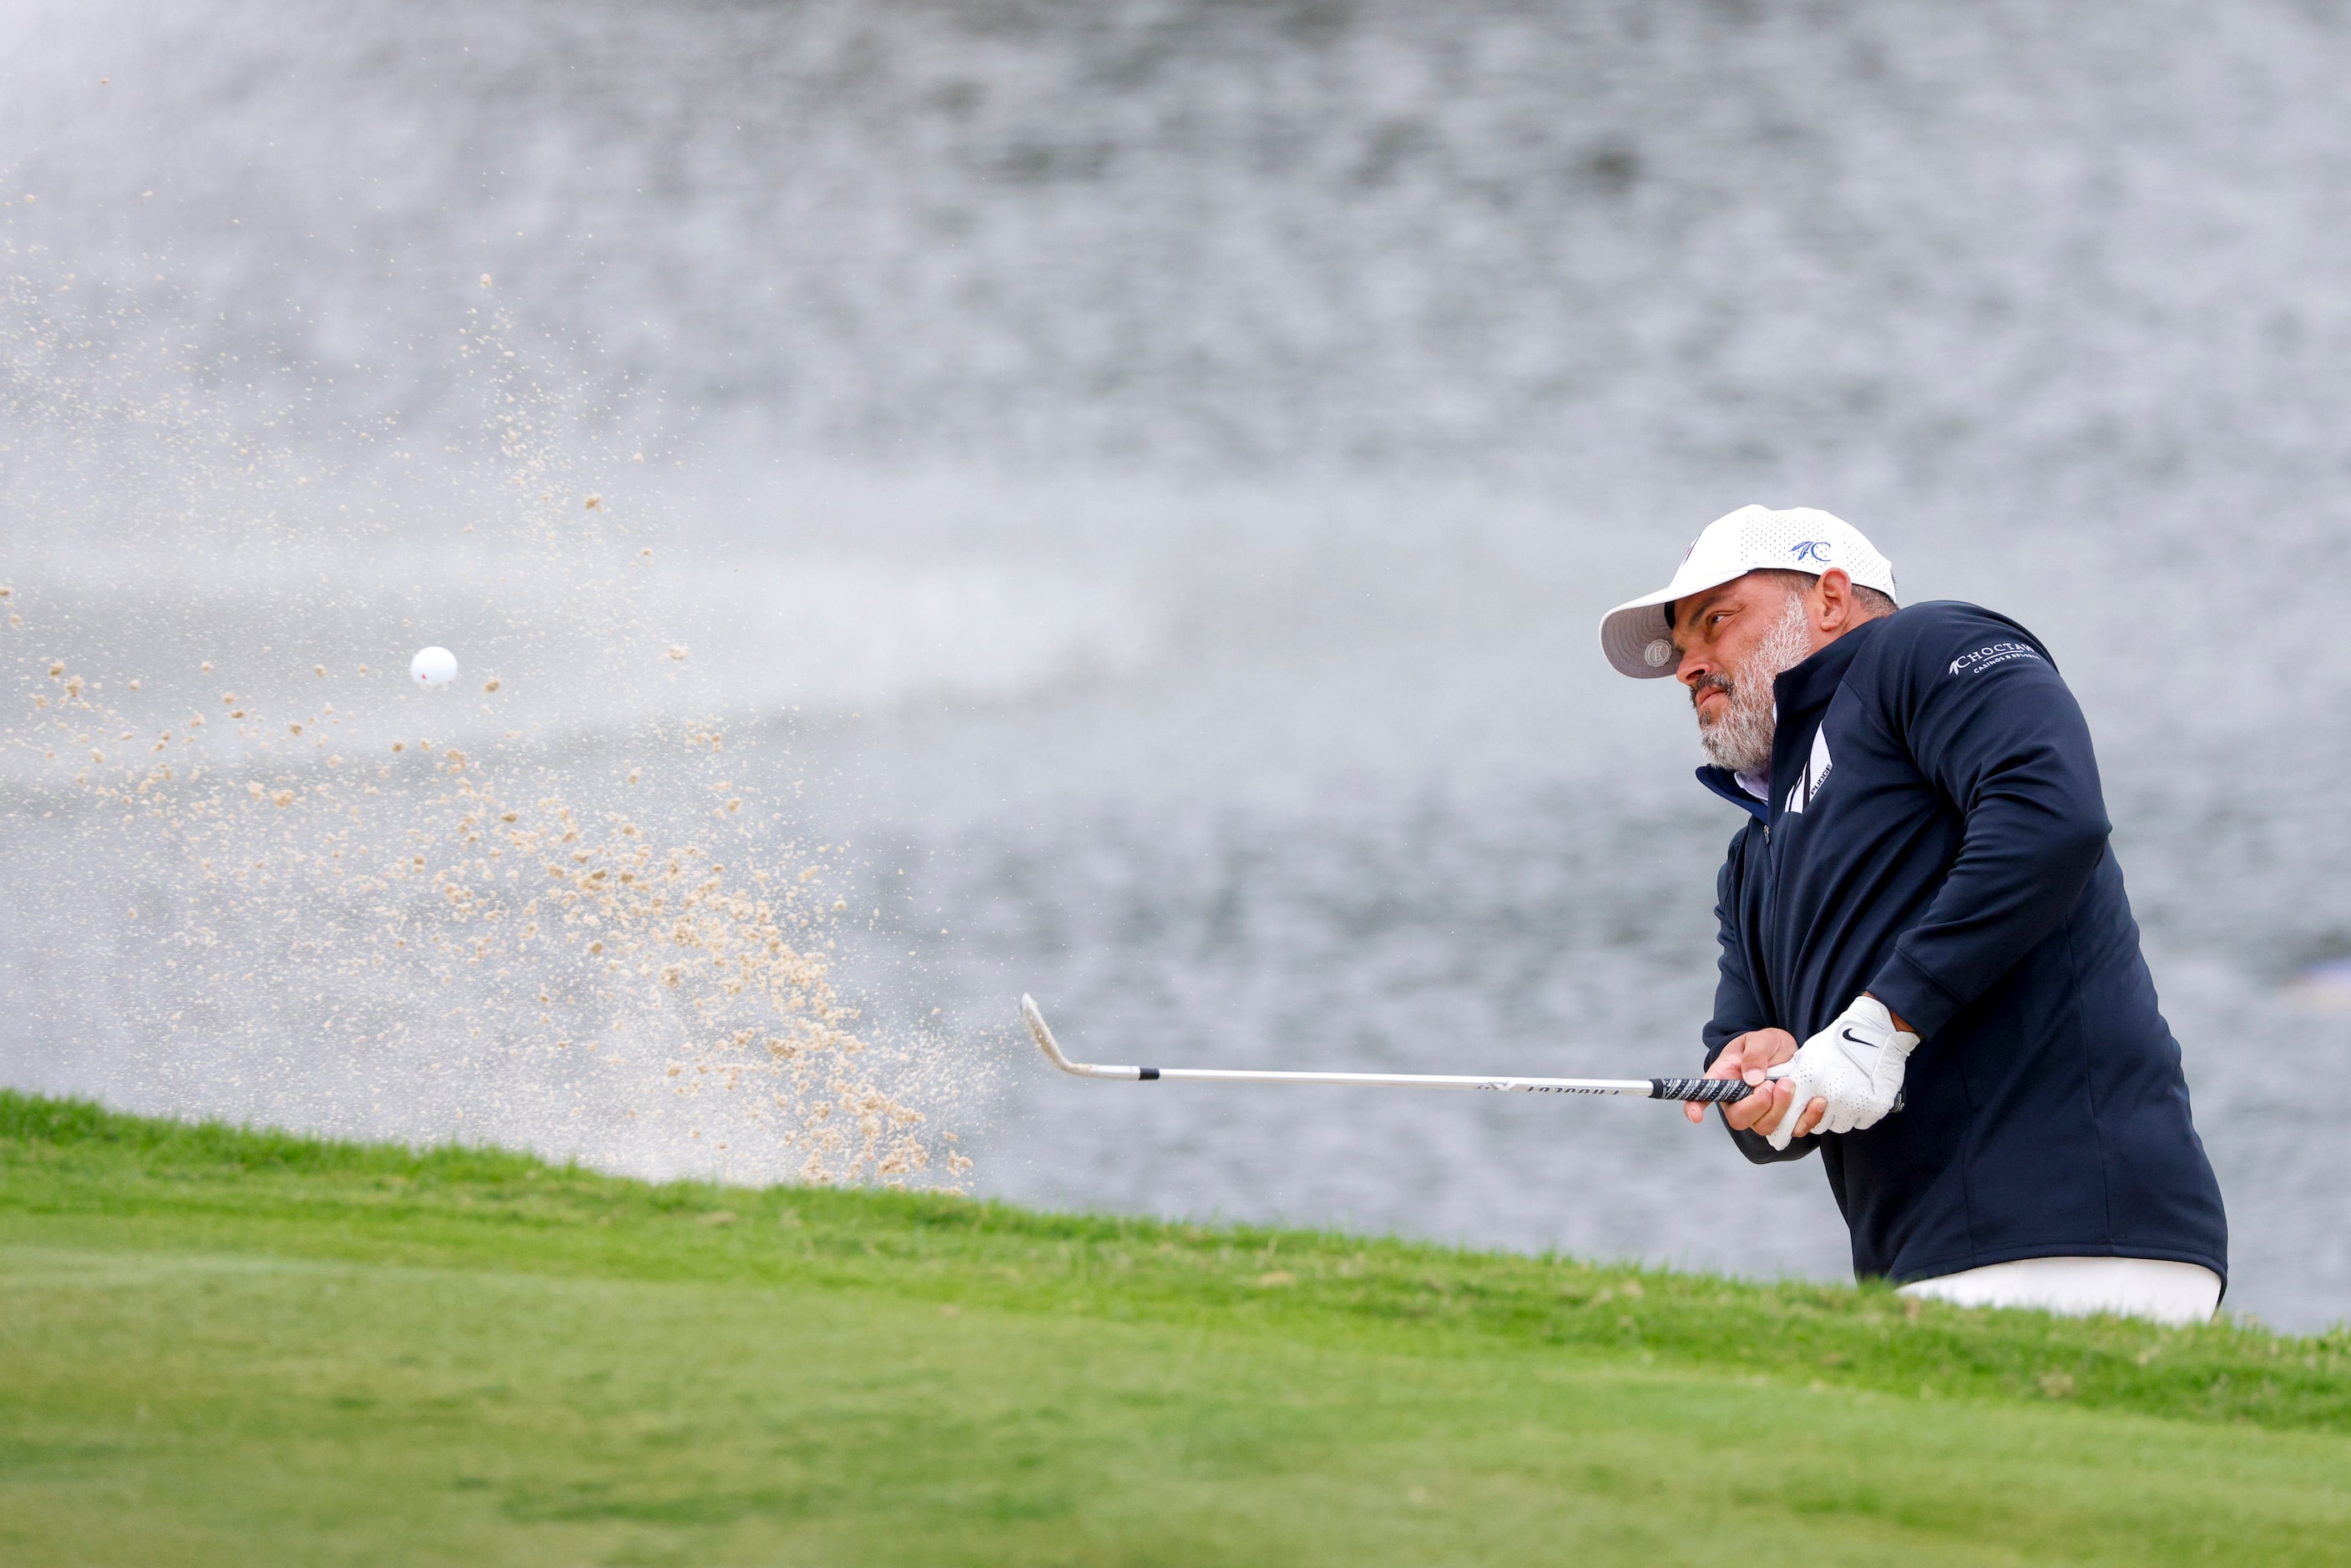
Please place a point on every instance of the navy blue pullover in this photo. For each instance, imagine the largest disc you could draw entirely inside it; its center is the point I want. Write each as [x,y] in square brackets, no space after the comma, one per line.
[1935,836]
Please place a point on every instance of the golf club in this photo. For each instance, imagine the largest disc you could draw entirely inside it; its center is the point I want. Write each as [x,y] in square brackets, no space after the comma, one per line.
[1707,1089]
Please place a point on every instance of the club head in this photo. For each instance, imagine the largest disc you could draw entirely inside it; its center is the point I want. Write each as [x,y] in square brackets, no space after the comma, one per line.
[1043,1036]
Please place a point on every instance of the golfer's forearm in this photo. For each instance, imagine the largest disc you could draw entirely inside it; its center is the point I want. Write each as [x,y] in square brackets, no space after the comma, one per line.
[2018,874]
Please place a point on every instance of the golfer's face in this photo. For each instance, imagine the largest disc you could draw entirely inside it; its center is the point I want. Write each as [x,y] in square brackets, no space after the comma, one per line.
[1717,631]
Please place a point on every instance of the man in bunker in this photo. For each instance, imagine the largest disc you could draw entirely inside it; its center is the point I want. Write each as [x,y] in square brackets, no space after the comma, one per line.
[1928,967]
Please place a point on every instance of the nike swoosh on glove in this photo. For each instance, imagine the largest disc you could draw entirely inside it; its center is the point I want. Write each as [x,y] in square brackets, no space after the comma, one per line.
[1855,1064]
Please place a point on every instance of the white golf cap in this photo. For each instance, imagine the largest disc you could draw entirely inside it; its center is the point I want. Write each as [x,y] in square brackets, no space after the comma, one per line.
[1638,638]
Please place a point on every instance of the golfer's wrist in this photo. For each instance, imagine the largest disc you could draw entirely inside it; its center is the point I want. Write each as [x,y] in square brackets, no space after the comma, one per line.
[1899,1021]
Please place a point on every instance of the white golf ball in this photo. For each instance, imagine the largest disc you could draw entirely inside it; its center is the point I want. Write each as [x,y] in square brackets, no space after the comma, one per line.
[432,668]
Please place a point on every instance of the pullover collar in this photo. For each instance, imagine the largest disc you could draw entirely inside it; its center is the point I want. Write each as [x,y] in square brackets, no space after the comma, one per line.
[1720,781]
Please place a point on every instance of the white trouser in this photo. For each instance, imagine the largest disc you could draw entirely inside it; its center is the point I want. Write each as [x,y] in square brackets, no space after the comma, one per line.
[2167,1292]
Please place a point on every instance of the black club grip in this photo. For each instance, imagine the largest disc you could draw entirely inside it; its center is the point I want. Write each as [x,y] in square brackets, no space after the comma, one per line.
[1704,1089]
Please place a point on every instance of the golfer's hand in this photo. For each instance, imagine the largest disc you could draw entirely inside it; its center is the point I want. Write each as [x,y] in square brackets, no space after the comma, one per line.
[1748,1057]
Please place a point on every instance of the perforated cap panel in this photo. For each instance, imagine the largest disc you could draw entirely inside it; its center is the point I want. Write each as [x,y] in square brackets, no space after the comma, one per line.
[1802,538]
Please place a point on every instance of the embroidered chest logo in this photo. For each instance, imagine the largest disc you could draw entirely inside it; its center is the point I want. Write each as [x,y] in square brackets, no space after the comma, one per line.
[1984,658]
[1810,550]
[1816,773]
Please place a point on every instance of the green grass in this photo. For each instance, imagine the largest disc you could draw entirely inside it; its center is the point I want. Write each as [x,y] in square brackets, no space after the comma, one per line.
[229,1346]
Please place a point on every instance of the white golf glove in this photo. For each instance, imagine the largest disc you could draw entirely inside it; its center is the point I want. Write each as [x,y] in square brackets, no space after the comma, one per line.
[1855,1064]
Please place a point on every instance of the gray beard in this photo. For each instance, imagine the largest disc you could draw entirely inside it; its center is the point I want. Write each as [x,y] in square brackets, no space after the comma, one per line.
[1740,741]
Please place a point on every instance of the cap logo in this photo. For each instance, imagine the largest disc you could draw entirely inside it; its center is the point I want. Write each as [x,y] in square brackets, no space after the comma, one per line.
[1810,550]
[1657,653]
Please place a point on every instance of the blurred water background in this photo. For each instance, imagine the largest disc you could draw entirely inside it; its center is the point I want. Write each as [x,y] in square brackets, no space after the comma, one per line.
[1134,481]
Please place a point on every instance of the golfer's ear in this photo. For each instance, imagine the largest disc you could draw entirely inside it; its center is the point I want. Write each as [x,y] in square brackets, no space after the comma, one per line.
[1835,590]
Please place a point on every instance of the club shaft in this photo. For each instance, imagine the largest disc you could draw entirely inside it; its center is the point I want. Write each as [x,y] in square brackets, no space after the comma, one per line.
[1404,1080]
[1645,1087]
